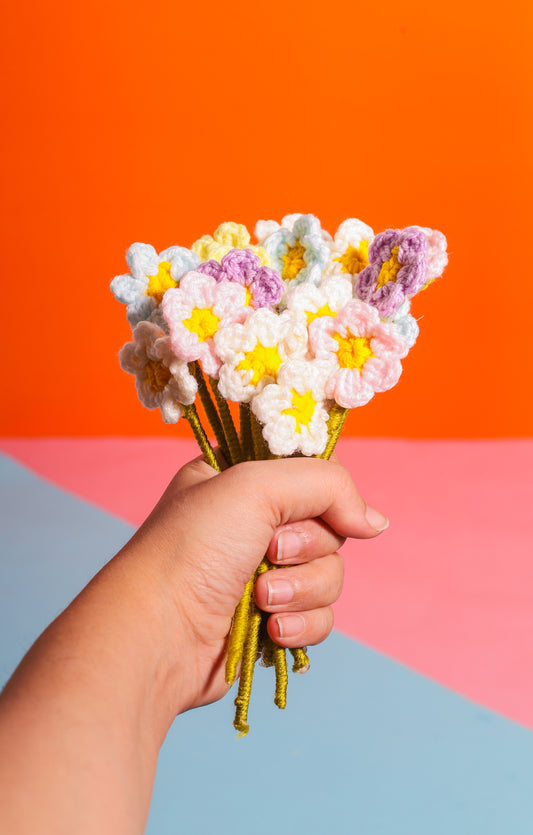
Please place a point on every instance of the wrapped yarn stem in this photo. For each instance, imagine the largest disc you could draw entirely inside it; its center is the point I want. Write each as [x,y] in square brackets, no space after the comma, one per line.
[239,628]
[232,438]
[246,431]
[191,415]
[211,412]
[249,657]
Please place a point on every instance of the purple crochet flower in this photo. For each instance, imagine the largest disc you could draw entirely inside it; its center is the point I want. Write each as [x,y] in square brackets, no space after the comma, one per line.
[396,271]
[264,285]
[212,268]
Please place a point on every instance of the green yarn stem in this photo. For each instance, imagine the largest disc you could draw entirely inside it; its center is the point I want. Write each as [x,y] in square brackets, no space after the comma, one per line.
[245,415]
[249,657]
[239,631]
[267,648]
[190,414]
[300,659]
[337,417]
[282,679]
[261,450]
[230,432]
[211,412]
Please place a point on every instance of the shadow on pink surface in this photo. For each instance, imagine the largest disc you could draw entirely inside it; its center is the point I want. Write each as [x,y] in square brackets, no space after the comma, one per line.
[447,590]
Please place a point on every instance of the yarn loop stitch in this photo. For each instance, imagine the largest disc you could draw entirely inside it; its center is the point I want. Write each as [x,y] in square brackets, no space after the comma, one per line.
[297,329]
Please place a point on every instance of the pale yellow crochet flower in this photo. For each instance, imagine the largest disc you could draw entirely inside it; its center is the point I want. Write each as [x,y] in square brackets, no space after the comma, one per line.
[228,236]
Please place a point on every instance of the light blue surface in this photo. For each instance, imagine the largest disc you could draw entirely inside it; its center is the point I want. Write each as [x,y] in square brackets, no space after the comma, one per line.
[365,745]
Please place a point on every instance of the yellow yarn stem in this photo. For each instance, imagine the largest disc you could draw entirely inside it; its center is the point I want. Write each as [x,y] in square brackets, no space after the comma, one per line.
[239,628]
[280,662]
[230,432]
[301,660]
[191,415]
[246,431]
[211,412]
[249,657]
[337,416]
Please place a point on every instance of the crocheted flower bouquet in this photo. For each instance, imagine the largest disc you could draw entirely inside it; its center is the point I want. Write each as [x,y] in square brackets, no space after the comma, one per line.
[297,329]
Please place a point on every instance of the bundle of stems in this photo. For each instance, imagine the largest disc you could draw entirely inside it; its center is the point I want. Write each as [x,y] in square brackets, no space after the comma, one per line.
[249,638]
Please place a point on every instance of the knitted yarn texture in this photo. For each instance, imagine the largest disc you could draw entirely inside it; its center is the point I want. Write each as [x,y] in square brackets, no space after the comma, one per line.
[297,329]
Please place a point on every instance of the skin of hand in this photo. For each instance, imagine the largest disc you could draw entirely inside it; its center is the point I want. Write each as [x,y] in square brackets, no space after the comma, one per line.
[84,715]
[297,511]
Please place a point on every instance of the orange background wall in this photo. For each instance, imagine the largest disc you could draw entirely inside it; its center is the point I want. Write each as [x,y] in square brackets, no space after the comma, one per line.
[128,121]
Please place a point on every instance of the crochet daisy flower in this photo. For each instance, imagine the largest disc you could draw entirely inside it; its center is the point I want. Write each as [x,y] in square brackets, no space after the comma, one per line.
[310,302]
[264,287]
[349,248]
[195,311]
[162,381]
[227,236]
[252,353]
[151,276]
[397,269]
[365,351]
[298,248]
[292,410]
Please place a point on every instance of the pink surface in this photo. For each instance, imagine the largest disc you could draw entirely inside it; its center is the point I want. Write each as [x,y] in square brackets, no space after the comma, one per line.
[447,590]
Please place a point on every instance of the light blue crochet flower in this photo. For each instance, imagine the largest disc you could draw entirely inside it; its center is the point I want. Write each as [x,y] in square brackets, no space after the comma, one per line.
[151,276]
[406,324]
[298,248]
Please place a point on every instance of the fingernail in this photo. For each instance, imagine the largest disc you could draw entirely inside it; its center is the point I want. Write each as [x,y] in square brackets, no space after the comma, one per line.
[279,591]
[290,625]
[376,519]
[289,546]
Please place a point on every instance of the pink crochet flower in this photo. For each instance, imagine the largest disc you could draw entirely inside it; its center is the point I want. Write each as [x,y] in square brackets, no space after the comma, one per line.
[196,310]
[436,255]
[365,351]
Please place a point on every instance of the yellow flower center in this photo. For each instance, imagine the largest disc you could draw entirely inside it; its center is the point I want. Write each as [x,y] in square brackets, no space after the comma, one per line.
[303,408]
[390,268]
[353,351]
[157,375]
[293,261]
[203,323]
[264,362]
[354,259]
[159,283]
[325,310]
[248,301]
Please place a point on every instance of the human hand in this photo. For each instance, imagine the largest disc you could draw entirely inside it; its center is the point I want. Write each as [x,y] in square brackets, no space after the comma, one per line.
[84,715]
[207,536]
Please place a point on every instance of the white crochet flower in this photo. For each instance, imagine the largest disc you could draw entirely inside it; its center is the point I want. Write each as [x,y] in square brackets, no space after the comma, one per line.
[310,302]
[252,353]
[196,310]
[162,380]
[151,276]
[293,411]
[349,248]
[299,247]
